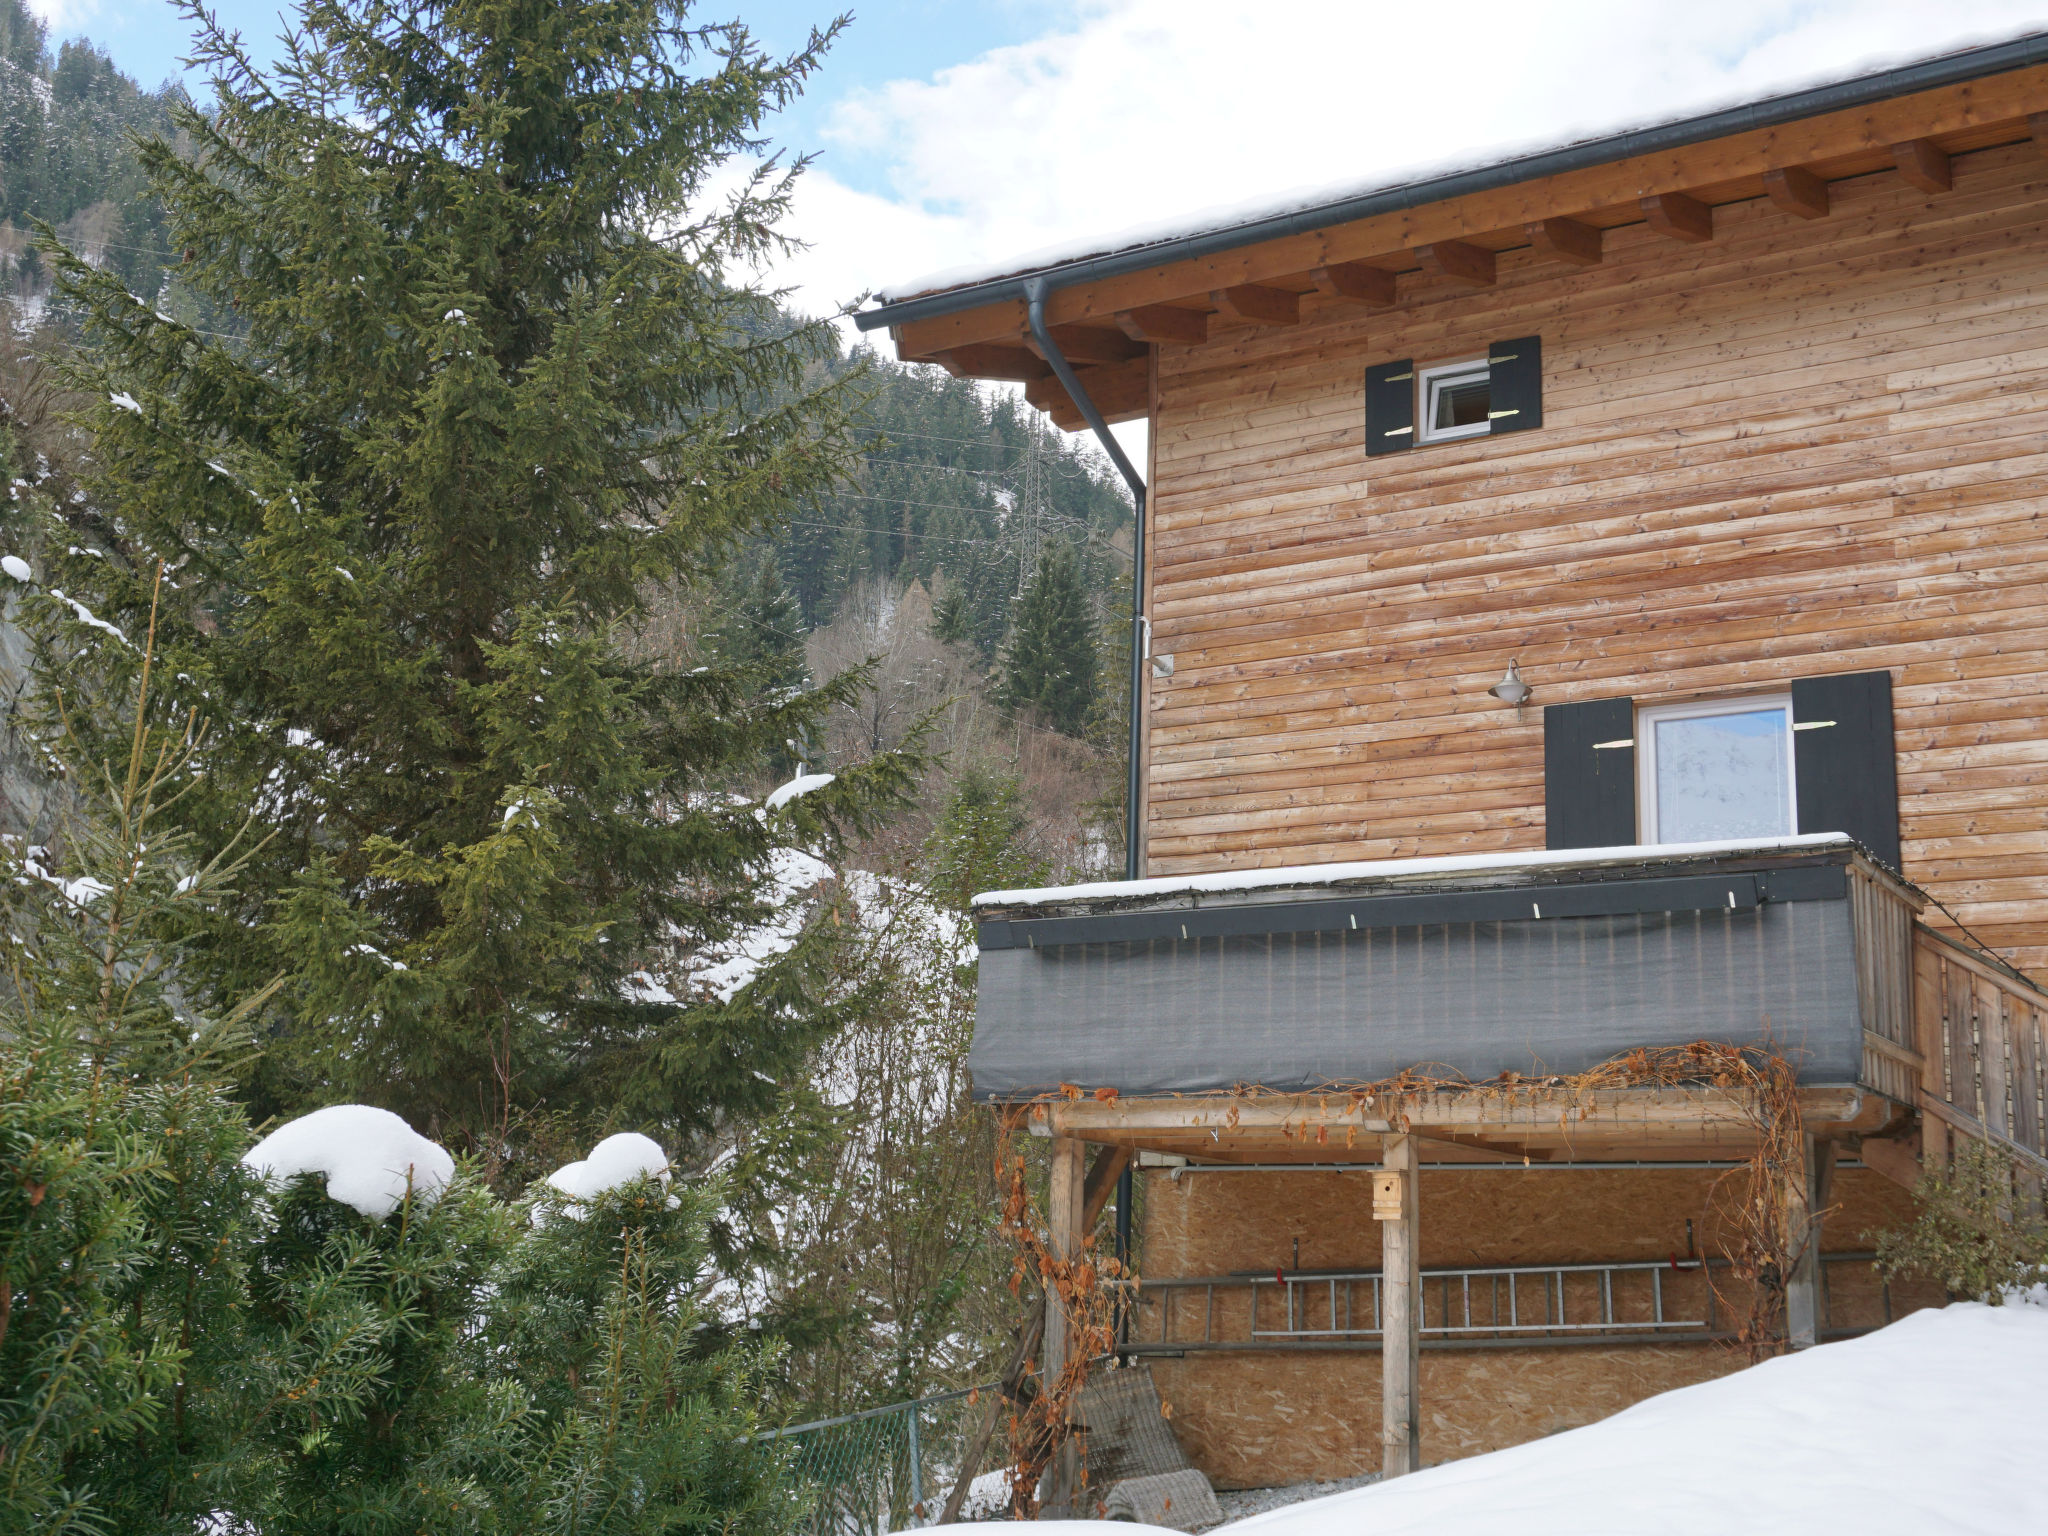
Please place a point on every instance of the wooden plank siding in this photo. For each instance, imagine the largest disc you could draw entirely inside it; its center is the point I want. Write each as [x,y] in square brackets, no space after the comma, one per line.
[1807,446]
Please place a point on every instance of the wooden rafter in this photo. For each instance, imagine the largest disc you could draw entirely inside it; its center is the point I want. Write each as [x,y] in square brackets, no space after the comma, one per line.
[1679,216]
[1566,240]
[1092,344]
[1120,391]
[1355,281]
[1163,322]
[1797,191]
[2037,128]
[988,360]
[1258,303]
[1458,260]
[1923,165]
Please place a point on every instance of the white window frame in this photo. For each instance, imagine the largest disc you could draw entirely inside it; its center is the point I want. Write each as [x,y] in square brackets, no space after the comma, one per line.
[1429,381]
[1646,750]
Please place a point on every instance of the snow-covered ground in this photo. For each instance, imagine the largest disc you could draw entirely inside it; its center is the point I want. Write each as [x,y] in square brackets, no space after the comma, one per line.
[1937,1424]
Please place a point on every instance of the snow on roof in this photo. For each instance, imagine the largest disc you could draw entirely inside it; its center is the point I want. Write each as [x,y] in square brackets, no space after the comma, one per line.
[370,1157]
[1933,1424]
[1954,30]
[1332,874]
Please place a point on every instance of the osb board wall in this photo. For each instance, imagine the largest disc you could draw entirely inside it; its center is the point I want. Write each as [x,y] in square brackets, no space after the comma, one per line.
[1216,1223]
[1252,1419]
[1259,1420]
[1805,447]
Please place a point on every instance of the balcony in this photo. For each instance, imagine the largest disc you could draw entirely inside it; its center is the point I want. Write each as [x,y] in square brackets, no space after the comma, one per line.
[1299,980]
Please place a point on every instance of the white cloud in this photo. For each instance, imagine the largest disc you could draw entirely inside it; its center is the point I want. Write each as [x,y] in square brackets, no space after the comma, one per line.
[66,18]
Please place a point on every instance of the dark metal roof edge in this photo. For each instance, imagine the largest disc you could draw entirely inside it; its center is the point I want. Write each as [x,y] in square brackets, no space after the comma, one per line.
[1862,90]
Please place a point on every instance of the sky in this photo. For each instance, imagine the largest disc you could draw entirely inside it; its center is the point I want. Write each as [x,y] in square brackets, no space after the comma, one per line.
[953,135]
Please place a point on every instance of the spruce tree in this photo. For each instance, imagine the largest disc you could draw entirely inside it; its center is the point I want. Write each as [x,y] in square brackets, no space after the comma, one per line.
[1049,663]
[183,1348]
[762,633]
[503,378]
[952,616]
[978,843]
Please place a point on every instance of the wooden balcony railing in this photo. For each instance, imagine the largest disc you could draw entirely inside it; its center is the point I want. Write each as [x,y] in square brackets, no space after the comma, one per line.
[1983,1034]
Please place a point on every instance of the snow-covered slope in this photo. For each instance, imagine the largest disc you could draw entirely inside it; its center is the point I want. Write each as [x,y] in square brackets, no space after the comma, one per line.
[1938,1423]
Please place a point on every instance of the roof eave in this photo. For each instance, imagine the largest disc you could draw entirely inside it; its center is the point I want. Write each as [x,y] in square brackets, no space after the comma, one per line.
[1928,74]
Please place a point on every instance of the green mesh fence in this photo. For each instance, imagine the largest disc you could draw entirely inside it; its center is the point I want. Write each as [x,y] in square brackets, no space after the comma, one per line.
[888,1469]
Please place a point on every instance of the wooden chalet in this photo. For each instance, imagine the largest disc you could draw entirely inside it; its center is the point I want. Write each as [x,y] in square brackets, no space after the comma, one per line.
[1591,603]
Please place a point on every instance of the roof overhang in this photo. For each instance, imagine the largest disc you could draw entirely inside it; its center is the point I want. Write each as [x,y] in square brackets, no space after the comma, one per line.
[1111,307]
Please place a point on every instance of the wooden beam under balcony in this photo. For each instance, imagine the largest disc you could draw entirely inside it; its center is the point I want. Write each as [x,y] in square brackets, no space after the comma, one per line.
[1703,1121]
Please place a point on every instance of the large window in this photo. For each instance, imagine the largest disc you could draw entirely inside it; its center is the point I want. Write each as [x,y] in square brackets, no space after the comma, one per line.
[1715,770]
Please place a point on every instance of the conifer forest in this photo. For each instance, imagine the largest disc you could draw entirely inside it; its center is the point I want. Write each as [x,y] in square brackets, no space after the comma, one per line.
[490,684]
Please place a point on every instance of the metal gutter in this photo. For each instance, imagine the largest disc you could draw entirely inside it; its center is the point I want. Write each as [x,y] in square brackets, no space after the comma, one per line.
[1929,74]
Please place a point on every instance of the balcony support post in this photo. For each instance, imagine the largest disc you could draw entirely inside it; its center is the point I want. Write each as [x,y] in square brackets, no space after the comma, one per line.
[1806,1201]
[1065,1209]
[1401,1309]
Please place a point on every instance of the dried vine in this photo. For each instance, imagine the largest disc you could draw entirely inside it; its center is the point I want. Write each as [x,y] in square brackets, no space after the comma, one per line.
[1762,1235]
[1085,1286]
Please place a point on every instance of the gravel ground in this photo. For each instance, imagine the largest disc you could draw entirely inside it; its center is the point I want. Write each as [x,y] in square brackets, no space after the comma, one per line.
[1256,1501]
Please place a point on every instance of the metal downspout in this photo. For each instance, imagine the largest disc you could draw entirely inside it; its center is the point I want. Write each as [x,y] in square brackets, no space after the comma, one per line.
[1034,294]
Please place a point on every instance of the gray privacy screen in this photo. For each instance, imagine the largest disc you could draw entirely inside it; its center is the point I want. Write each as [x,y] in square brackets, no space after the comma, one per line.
[1298,1010]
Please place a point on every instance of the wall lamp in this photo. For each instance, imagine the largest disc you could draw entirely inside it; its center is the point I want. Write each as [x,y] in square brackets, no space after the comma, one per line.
[1511,689]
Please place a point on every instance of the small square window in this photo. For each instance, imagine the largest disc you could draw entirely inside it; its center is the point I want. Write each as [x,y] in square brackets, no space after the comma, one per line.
[1711,771]
[1456,401]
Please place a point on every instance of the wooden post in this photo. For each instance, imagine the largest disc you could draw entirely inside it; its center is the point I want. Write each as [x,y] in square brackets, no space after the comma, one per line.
[1805,1201]
[1394,1203]
[1065,1207]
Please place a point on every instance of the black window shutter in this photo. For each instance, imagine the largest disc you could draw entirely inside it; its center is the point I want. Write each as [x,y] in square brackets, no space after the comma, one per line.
[1844,765]
[1515,377]
[1589,774]
[1390,407]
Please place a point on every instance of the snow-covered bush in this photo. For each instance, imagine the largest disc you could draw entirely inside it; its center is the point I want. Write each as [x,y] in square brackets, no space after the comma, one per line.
[369,1159]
